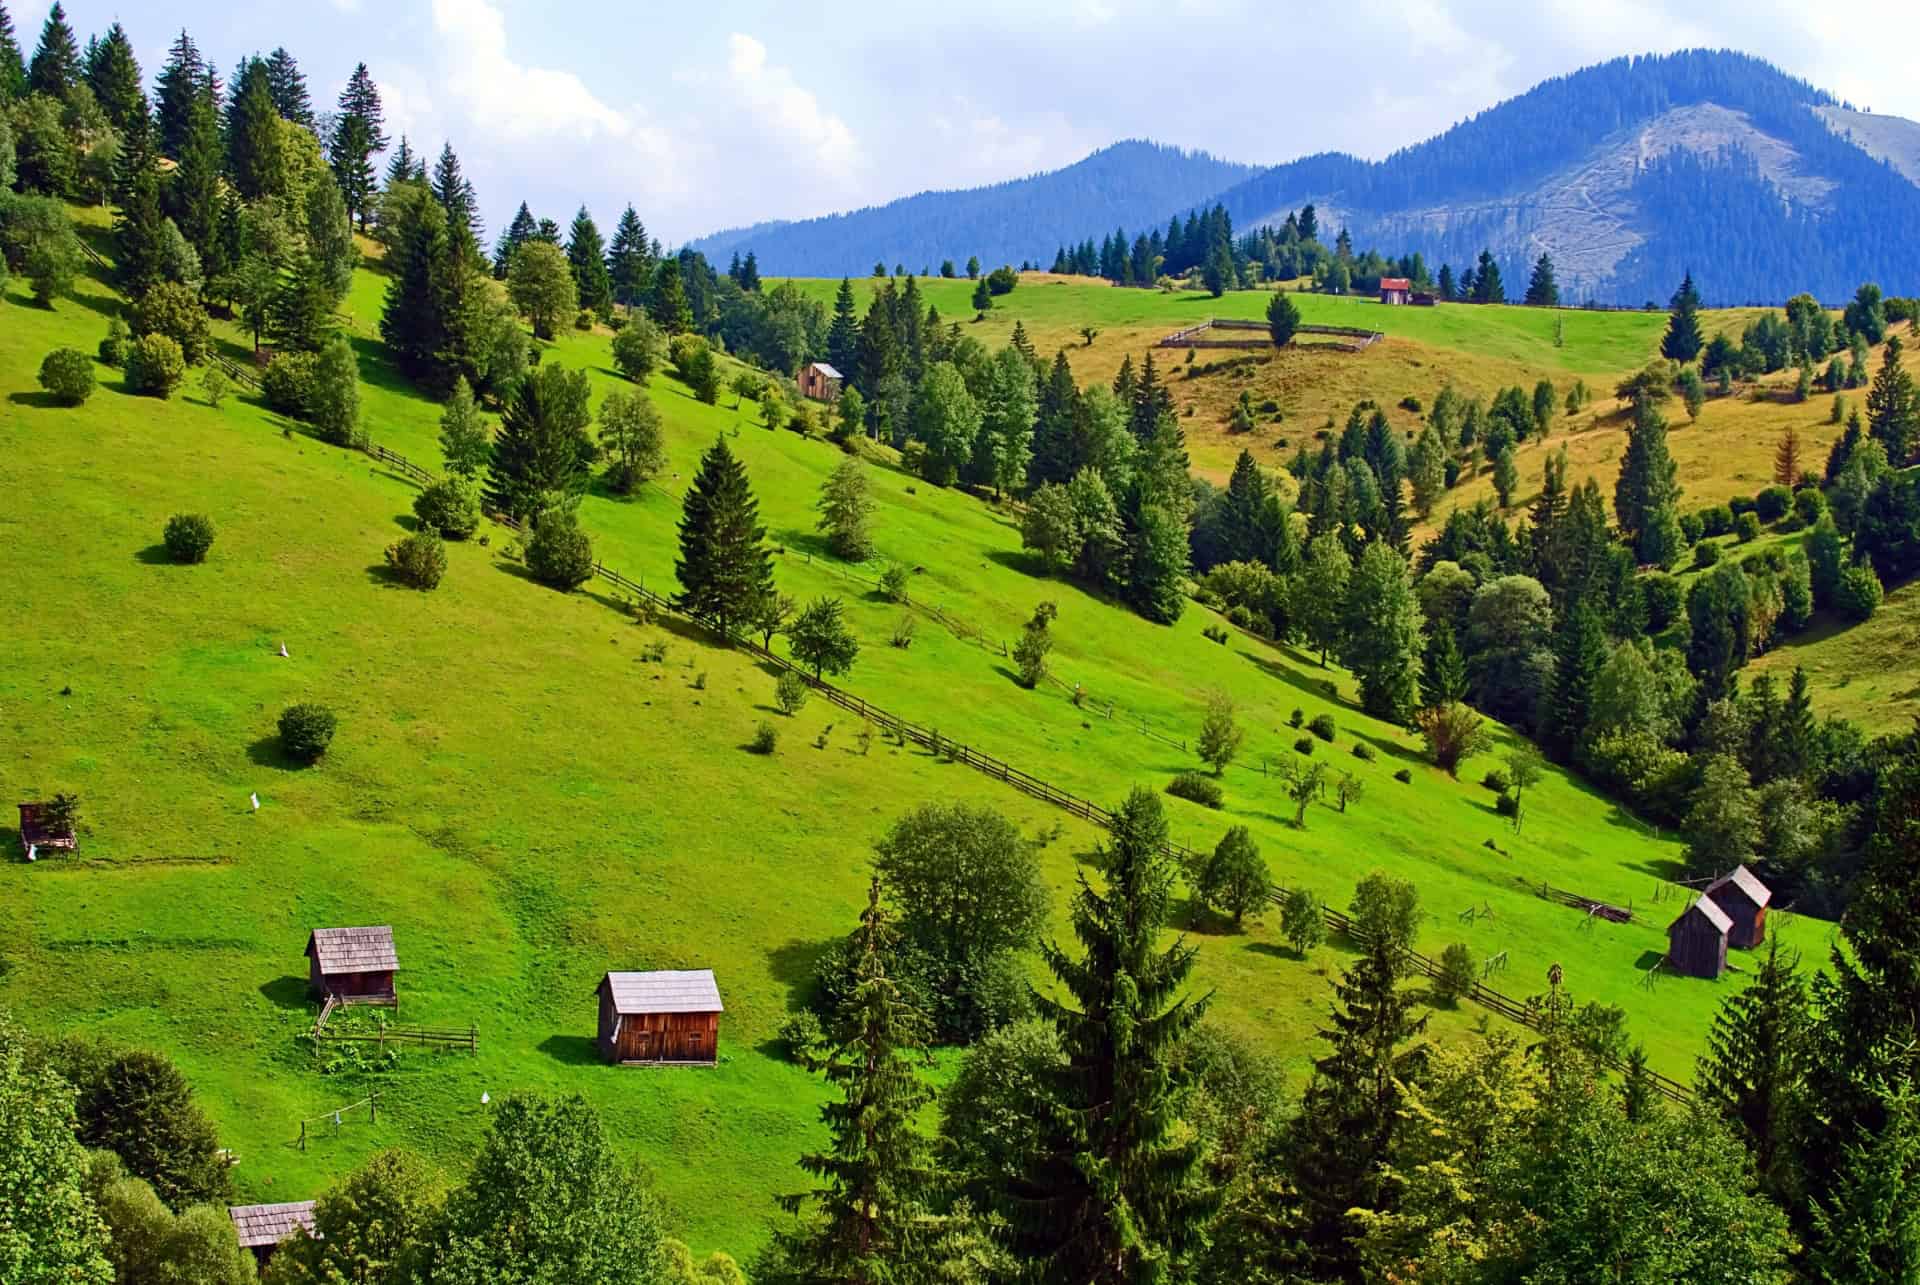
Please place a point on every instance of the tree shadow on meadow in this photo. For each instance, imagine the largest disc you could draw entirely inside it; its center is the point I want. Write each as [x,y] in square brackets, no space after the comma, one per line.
[571,1050]
[288,992]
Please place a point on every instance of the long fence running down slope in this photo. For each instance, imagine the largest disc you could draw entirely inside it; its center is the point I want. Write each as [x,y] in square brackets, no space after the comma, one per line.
[938,743]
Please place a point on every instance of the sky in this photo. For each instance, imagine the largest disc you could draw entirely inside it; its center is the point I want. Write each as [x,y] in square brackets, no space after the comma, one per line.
[708,116]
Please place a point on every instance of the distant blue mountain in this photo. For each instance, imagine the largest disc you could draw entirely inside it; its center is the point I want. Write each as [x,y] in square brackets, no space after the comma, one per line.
[1130,183]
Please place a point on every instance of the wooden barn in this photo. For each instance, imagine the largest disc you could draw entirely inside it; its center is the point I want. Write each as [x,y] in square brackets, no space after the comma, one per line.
[667,1017]
[1396,290]
[353,965]
[820,382]
[261,1228]
[1697,940]
[1743,899]
[41,830]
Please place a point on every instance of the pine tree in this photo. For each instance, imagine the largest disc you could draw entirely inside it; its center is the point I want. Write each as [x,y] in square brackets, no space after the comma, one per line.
[253,135]
[139,229]
[417,322]
[1867,1228]
[1487,287]
[1243,512]
[404,167]
[1443,671]
[113,73]
[1324,590]
[843,334]
[466,444]
[724,567]
[1351,1110]
[587,256]
[1755,1070]
[13,68]
[872,1214]
[1683,342]
[543,454]
[1786,458]
[181,80]
[629,267]
[288,86]
[667,301]
[1646,495]
[1892,417]
[520,231]
[1579,653]
[191,197]
[359,134]
[1383,634]
[457,198]
[55,68]
[1109,1197]
[1542,290]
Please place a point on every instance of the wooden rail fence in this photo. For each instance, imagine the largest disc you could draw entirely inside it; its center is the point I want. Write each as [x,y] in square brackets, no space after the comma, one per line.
[936,742]
[1346,338]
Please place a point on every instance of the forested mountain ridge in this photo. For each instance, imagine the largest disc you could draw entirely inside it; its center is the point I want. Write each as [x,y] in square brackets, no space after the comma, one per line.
[1627,173]
[1130,182]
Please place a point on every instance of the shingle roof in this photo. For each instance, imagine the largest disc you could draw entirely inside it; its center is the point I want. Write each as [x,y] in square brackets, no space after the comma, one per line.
[690,991]
[258,1225]
[354,950]
[1743,879]
[826,370]
[1715,916]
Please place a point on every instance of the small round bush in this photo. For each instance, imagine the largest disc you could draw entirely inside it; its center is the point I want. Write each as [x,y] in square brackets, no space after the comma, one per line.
[67,373]
[1691,527]
[1322,726]
[188,537]
[583,320]
[1304,746]
[305,732]
[1297,718]
[1747,527]
[113,348]
[174,310]
[1495,780]
[790,692]
[559,554]
[801,1033]
[1196,788]
[1363,751]
[155,366]
[1404,776]
[450,507]
[1716,520]
[1663,596]
[1740,504]
[1507,806]
[1706,553]
[1809,505]
[287,384]
[1857,596]
[1456,978]
[765,738]
[1772,504]
[419,560]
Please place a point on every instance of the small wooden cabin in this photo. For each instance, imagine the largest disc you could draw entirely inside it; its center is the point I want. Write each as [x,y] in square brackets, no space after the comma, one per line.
[353,965]
[1396,290]
[1697,940]
[665,1017]
[820,382]
[261,1228]
[37,830]
[1743,899]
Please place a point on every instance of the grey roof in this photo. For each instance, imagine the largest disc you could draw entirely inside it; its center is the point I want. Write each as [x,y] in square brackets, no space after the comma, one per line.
[354,950]
[258,1225]
[687,991]
[825,369]
[1743,879]
[1715,916]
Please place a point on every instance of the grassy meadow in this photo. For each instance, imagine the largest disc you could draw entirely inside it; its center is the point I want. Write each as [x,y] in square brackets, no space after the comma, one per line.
[529,802]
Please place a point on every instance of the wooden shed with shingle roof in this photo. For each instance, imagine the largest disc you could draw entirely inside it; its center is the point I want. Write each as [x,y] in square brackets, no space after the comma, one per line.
[261,1228]
[353,965]
[662,1017]
[1697,940]
[1744,900]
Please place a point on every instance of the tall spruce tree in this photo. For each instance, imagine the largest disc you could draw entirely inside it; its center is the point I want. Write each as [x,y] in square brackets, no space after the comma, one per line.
[1893,417]
[1542,290]
[586,254]
[872,1216]
[629,262]
[288,86]
[417,322]
[254,141]
[543,454]
[113,73]
[1443,670]
[1754,1072]
[191,196]
[359,134]
[843,333]
[667,302]
[1382,645]
[458,199]
[140,224]
[724,567]
[1579,654]
[56,66]
[1646,495]
[1114,1194]
[1683,340]
[1243,529]
[520,231]
[13,68]
[181,79]
[404,166]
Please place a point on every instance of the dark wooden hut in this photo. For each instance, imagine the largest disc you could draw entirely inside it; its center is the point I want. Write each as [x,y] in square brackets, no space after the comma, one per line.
[353,965]
[1743,899]
[1697,940]
[820,381]
[39,830]
[261,1228]
[665,1017]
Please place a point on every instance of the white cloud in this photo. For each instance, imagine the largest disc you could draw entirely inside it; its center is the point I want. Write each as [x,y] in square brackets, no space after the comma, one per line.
[790,109]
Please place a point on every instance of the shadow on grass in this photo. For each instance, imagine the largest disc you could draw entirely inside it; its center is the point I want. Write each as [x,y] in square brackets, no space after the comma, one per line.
[1650,959]
[406,521]
[1019,561]
[155,555]
[1662,869]
[267,752]
[1277,952]
[287,992]
[793,965]
[571,1050]
[38,400]
[1316,688]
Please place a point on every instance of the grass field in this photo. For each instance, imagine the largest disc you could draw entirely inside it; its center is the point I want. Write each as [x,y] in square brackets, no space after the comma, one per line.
[528,803]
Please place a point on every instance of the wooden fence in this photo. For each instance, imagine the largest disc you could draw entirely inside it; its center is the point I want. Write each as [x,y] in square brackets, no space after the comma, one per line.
[1345,338]
[436,1036]
[954,750]
[1605,910]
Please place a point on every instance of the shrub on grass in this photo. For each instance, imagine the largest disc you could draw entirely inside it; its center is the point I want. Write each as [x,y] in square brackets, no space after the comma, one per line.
[450,507]
[1496,780]
[1322,727]
[1664,598]
[1214,633]
[419,560]
[893,583]
[1297,718]
[1772,503]
[1404,776]
[1747,527]
[1455,980]
[1857,596]
[113,348]
[1691,528]
[1363,751]
[1507,805]
[1705,554]
[1196,788]
[560,554]
[1716,520]
[171,309]
[801,1034]
[790,692]
[765,738]
[1302,922]
[1304,746]
[155,366]
[1809,505]
[67,373]
[188,536]
[287,384]
[306,730]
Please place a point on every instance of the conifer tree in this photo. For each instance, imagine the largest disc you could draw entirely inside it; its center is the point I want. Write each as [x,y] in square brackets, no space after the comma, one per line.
[191,197]
[465,442]
[1487,287]
[404,167]
[586,255]
[1110,1197]
[543,455]
[628,264]
[181,81]
[1579,653]
[1382,631]
[1892,416]
[520,231]
[843,333]
[1443,670]
[55,68]
[667,302]
[872,1214]
[288,86]
[113,73]
[1682,342]
[1324,590]
[1647,493]
[139,229]
[1243,512]
[1867,1227]
[253,135]
[417,322]
[13,68]
[359,133]
[1786,458]
[724,567]
[1542,290]
[1006,421]
[1754,1072]
[457,198]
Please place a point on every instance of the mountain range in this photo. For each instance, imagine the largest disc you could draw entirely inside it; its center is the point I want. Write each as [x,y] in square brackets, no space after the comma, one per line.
[1628,173]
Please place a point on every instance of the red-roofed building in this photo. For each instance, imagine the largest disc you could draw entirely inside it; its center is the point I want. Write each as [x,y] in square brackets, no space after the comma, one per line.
[1396,290]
